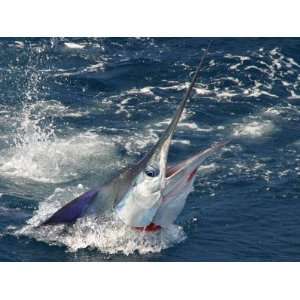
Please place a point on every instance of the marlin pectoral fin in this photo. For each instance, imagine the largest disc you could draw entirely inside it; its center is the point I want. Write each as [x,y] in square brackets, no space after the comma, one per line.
[73,210]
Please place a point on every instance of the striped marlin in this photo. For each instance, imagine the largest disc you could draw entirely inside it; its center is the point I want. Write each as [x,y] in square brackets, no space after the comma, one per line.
[149,194]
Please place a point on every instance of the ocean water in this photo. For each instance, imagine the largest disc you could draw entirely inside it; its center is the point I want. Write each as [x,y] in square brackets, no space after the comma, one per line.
[75,110]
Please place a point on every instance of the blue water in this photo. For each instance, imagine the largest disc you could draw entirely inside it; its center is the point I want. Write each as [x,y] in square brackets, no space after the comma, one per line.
[74,111]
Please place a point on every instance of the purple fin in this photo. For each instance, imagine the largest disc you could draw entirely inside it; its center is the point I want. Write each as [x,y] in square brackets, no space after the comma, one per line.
[73,210]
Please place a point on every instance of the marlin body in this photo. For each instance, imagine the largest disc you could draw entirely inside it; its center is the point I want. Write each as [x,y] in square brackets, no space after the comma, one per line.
[147,195]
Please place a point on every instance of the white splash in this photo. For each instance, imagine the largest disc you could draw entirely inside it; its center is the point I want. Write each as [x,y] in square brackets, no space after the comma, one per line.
[74,45]
[51,108]
[19,44]
[37,153]
[98,66]
[272,112]
[254,129]
[207,169]
[106,233]
[147,90]
[294,96]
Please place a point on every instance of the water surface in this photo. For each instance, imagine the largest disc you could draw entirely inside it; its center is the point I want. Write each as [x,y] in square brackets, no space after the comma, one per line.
[73,111]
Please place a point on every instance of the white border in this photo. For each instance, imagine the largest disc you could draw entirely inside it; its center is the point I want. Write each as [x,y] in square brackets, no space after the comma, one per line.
[149,281]
[149,18]
[143,281]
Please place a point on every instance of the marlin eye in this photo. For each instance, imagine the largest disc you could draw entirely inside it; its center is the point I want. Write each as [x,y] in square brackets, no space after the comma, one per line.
[152,171]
